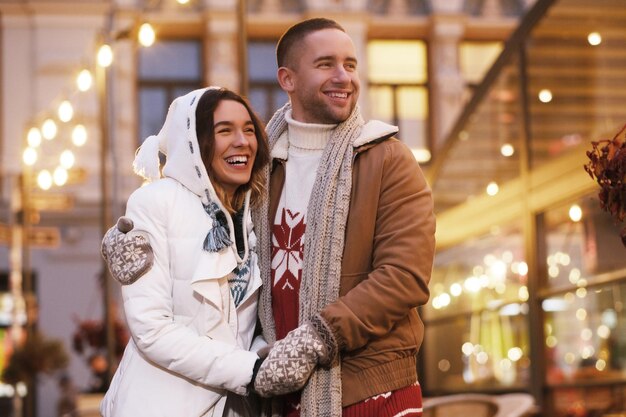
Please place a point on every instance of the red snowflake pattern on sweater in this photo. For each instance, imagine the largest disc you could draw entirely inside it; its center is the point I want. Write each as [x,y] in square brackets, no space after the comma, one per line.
[287,258]
[287,250]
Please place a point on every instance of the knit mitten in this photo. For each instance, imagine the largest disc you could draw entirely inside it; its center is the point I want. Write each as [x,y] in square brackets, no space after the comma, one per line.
[291,361]
[128,254]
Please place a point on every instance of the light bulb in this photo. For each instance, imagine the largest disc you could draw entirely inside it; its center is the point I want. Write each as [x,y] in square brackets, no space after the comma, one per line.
[105,56]
[84,80]
[67,159]
[60,176]
[49,129]
[66,111]
[507,150]
[575,213]
[79,135]
[29,156]
[44,180]
[594,39]
[33,137]
[545,95]
[492,188]
[146,35]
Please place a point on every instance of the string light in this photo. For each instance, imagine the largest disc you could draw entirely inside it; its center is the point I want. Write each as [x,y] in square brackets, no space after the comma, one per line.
[44,179]
[60,176]
[105,56]
[49,129]
[507,150]
[67,159]
[492,188]
[575,213]
[34,137]
[545,95]
[84,80]
[29,156]
[146,35]
[594,39]
[66,111]
[79,135]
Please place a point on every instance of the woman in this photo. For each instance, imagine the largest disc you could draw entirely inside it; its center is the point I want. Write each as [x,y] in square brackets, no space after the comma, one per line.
[188,266]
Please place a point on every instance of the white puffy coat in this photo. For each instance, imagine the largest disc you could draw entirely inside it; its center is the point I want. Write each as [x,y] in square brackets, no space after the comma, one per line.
[189,344]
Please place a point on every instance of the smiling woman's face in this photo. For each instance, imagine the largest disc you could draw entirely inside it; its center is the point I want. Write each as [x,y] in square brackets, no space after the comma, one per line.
[235,145]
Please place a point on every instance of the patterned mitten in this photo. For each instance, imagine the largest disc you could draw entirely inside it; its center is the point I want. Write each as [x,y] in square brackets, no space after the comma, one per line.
[291,361]
[128,255]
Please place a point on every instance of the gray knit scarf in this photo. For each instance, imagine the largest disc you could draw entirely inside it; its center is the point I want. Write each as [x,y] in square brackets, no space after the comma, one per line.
[327,215]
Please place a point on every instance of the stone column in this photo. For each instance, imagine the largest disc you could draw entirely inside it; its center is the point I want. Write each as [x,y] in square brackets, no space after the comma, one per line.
[335,5]
[221,46]
[123,111]
[398,8]
[492,9]
[19,87]
[446,80]
[270,6]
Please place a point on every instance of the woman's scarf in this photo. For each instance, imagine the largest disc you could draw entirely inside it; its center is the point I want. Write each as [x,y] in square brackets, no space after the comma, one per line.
[327,215]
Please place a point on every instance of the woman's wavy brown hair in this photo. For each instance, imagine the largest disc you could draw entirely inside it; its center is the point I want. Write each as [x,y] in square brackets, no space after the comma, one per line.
[205,110]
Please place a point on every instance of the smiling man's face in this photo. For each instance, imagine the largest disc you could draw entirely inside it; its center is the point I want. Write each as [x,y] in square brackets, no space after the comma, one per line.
[323,81]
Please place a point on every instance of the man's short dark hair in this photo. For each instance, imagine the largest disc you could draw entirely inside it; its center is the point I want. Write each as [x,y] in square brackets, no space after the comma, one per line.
[297,33]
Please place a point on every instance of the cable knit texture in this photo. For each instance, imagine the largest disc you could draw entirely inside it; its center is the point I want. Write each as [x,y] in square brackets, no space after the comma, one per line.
[324,242]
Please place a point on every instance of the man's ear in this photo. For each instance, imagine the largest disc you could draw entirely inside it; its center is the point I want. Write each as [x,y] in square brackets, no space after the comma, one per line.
[285,79]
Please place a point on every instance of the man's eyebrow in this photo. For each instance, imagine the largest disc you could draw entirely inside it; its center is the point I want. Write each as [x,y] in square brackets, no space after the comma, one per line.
[324,58]
[333,58]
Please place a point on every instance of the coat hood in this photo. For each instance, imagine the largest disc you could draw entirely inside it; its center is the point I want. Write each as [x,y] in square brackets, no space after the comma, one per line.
[178,141]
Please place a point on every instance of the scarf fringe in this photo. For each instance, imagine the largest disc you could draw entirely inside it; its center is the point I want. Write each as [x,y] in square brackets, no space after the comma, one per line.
[218,237]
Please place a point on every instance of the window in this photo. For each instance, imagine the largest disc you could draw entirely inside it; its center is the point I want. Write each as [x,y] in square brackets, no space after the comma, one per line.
[162,78]
[476,320]
[265,94]
[475,59]
[398,90]
[582,299]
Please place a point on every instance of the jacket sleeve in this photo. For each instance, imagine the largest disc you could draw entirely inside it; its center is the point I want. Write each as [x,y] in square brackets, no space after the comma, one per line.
[402,258]
[148,306]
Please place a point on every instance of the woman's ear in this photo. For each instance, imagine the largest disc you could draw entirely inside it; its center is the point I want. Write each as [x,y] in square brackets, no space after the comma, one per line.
[285,79]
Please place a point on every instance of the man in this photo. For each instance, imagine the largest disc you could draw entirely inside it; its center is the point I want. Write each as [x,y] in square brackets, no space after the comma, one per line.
[346,243]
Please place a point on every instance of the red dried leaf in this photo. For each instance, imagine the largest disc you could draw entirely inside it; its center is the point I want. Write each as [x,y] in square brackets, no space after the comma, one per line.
[607,166]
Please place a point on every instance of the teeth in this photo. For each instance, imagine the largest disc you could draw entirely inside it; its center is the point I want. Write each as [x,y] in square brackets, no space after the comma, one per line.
[237,160]
[338,95]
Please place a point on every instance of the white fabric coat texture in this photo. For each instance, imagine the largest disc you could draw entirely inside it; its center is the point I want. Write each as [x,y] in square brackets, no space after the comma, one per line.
[189,344]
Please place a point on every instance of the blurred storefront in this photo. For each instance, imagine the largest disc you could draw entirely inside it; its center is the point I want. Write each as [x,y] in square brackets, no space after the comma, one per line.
[528,287]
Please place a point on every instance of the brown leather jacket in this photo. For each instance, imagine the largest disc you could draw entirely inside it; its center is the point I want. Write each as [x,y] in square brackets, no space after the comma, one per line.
[387,263]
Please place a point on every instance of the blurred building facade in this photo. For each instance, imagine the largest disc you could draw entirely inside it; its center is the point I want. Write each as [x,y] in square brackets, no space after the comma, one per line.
[498,320]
